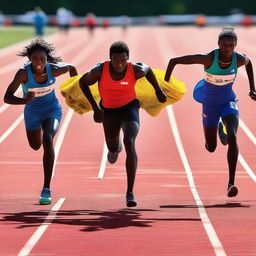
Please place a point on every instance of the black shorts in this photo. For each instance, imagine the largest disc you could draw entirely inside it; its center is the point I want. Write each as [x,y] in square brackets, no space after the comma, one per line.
[128,112]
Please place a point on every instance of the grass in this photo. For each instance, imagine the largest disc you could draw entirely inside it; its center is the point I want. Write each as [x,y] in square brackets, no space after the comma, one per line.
[14,34]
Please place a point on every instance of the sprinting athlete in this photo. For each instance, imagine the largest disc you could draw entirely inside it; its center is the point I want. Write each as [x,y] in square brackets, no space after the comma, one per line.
[42,112]
[119,108]
[217,96]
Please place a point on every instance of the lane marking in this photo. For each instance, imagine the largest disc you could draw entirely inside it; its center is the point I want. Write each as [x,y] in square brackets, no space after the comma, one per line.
[247,167]
[61,136]
[212,235]
[103,162]
[247,131]
[41,229]
[11,128]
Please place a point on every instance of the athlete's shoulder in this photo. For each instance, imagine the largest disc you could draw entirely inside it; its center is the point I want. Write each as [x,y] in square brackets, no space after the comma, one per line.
[99,66]
[140,67]
[242,59]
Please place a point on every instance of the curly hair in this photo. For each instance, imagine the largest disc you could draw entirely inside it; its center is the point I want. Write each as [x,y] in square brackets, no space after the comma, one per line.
[41,44]
[228,32]
[119,47]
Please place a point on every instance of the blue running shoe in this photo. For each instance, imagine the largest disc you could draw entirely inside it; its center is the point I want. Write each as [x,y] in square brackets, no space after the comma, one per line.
[112,156]
[45,196]
[222,133]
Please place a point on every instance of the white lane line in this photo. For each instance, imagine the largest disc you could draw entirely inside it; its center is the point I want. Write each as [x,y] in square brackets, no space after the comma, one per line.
[247,131]
[212,235]
[103,162]
[61,136]
[41,229]
[5,106]
[247,167]
[11,128]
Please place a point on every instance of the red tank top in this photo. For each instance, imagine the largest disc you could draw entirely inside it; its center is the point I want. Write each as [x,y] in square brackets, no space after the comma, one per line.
[115,94]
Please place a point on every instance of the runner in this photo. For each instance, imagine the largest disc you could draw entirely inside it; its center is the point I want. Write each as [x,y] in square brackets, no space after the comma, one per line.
[217,96]
[42,112]
[119,108]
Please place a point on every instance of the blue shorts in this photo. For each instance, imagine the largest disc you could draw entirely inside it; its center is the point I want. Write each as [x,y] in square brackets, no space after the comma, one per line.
[212,113]
[35,117]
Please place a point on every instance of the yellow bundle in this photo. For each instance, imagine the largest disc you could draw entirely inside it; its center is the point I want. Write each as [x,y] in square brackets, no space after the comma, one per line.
[145,93]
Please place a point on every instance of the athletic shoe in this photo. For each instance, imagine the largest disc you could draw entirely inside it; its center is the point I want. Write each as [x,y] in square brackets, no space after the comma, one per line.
[130,200]
[232,190]
[222,133]
[112,156]
[45,197]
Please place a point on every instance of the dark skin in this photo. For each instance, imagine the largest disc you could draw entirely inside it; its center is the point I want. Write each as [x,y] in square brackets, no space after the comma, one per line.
[50,126]
[118,66]
[226,49]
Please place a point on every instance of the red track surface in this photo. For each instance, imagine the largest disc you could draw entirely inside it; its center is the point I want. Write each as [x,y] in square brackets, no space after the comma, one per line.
[93,220]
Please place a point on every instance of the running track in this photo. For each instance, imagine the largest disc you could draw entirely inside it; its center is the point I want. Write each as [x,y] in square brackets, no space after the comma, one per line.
[180,188]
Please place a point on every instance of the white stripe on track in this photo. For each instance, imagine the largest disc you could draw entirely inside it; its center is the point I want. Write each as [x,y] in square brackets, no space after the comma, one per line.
[103,162]
[247,167]
[61,136]
[247,131]
[41,229]
[11,128]
[216,244]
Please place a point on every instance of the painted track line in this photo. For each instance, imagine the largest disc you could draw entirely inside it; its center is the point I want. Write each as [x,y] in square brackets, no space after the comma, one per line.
[247,167]
[61,136]
[11,128]
[41,229]
[103,162]
[216,244]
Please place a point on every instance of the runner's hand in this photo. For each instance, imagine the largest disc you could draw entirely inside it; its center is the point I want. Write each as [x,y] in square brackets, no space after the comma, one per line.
[30,97]
[161,96]
[252,94]
[98,115]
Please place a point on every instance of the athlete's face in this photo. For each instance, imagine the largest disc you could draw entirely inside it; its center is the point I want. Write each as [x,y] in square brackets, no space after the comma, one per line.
[38,59]
[227,46]
[119,61]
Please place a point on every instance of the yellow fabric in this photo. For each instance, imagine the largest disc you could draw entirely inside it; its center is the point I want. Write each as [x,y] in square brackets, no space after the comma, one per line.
[145,93]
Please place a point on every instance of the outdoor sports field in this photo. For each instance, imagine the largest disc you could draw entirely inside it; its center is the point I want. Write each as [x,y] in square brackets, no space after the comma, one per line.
[183,209]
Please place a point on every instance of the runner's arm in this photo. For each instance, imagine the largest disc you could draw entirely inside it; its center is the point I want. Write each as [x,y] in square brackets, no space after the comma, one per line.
[204,59]
[62,69]
[10,98]
[85,81]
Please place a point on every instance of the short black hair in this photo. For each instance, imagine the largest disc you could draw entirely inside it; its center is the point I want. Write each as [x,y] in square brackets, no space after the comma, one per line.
[228,32]
[119,47]
[41,44]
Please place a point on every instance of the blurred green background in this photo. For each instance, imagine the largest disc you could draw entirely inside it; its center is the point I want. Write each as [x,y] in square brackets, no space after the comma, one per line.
[132,7]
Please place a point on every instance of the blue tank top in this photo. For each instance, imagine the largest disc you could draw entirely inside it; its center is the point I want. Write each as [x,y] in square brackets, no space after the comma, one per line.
[44,93]
[216,87]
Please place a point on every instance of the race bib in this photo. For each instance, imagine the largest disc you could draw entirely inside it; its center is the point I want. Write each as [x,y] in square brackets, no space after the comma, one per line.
[42,91]
[219,80]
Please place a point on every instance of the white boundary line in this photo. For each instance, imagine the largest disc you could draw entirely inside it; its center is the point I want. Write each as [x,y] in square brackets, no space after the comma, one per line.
[103,162]
[61,136]
[247,167]
[247,131]
[11,128]
[41,229]
[217,246]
